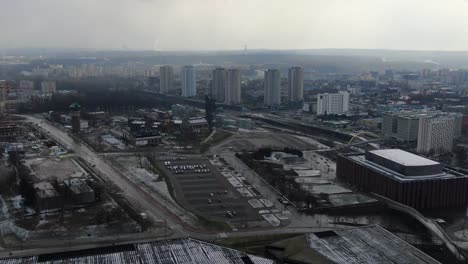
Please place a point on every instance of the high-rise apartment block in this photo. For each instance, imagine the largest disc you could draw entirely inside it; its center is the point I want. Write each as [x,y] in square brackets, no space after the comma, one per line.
[189,87]
[166,79]
[48,87]
[332,104]
[296,84]
[405,126]
[218,84]
[272,87]
[233,89]
[435,134]
[226,85]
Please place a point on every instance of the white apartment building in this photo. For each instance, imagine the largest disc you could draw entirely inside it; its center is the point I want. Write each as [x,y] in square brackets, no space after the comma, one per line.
[332,104]
[435,133]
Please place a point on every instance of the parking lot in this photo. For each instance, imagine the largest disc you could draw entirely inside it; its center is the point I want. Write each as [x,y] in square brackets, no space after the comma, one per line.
[210,191]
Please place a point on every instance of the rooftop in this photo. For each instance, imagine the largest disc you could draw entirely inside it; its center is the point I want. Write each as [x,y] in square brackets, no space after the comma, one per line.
[170,251]
[371,244]
[404,158]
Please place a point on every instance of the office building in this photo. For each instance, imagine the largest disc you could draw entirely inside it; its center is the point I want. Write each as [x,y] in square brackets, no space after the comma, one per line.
[405,178]
[435,134]
[296,84]
[233,89]
[166,79]
[272,87]
[219,84]
[332,104]
[189,83]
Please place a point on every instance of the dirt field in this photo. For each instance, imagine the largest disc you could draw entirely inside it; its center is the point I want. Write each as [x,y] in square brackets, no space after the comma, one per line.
[253,141]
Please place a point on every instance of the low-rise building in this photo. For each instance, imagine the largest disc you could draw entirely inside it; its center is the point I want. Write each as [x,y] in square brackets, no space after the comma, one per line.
[46,197]
[77,191]
[198,124]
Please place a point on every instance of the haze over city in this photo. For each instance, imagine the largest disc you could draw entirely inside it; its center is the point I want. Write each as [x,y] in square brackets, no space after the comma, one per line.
[231,24]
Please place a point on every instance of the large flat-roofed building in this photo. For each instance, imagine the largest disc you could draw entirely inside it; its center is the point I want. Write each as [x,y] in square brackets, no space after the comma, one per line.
[405,178]
[364,245]
[176,251]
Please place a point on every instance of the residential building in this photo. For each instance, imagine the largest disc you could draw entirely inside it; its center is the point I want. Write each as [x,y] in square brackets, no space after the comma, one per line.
[435,134]
[219,84]
[296,84]
[232,87]
[26,85]
[404,125]
[48,87]
[272,87]
[405,178]
[189,88]
[166,79]
[332,104]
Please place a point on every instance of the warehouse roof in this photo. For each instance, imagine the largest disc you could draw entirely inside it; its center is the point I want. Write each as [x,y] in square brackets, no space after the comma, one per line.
[170,251]
[371,244]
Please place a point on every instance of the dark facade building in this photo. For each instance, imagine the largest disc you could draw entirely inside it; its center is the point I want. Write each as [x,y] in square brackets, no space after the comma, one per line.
[405,178]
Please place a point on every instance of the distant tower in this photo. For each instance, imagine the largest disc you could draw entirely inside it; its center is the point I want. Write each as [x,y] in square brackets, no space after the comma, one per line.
[189,84]
[75,112]
[166,79]
[296,84]
[272,87]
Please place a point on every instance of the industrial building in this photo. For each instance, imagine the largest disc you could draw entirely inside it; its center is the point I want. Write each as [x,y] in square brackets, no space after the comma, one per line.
[405,178]
[77,191]
[46,197]
[365,245]
[175,251]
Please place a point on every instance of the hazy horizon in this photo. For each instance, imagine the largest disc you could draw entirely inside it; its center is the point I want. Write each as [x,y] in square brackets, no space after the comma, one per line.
[227,25]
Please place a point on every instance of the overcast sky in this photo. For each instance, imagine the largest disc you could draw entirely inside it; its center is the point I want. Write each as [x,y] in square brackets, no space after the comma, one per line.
[229,24]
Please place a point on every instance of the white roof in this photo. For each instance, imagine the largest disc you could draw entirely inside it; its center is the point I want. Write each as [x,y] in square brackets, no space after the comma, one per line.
[403,157]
